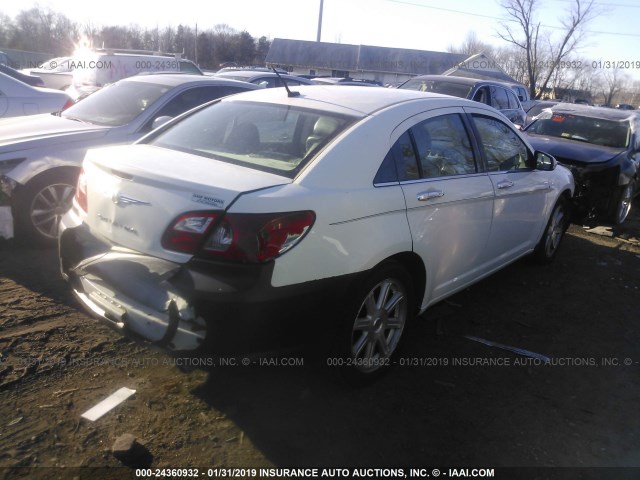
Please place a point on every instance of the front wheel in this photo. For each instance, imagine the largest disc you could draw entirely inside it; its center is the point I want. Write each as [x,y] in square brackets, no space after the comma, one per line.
[373,324]
[557,225]
[42,203]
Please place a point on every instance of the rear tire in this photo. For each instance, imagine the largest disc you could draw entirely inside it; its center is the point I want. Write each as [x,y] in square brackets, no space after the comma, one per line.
[41,204]
[373,322]
[557,225]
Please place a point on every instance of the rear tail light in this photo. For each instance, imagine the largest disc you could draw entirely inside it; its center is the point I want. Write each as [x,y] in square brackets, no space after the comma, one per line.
[239,237]
[187,231]
[81,191]
[67,104]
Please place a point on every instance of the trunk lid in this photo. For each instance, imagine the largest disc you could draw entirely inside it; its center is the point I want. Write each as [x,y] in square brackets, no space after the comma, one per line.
[135,192]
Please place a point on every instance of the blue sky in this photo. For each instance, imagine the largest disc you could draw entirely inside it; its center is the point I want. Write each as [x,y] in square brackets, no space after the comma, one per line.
[420,24]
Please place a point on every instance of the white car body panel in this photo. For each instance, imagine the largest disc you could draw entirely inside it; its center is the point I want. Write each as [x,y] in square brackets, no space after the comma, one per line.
[335,245]
[18,98]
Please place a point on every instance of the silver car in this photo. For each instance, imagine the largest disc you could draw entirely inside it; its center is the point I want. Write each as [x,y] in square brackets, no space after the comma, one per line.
[40,156]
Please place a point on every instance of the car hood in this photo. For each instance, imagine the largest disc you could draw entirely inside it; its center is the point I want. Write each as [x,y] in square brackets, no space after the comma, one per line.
[32,131]
[135,191]
[573,149]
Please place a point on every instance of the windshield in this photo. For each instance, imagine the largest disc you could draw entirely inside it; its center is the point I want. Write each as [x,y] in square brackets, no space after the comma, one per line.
[597,131]
[438,86]
[275,138]
[116,104]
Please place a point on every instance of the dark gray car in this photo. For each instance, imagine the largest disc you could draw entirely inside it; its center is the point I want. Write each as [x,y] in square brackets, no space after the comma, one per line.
[496,94]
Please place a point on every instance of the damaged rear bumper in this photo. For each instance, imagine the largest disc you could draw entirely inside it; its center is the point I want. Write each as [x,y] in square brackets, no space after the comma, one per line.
[133,294]
[182,306]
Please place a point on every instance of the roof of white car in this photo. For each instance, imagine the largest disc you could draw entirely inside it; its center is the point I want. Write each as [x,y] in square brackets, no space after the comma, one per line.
[364,100]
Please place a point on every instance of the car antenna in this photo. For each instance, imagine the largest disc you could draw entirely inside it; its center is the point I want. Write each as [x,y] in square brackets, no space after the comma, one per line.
[289,92]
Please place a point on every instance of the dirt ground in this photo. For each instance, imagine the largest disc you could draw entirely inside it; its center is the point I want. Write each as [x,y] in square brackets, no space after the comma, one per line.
[450,402]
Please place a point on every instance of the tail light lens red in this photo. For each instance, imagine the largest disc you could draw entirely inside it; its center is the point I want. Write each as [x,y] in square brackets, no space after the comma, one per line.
[67,104]
[81,191]
[239,237]
[187,232]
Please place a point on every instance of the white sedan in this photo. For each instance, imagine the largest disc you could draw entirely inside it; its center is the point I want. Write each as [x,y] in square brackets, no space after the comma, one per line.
[346,210]
[17,98]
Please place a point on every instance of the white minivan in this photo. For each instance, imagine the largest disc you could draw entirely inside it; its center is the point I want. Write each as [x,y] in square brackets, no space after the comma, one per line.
[97,68]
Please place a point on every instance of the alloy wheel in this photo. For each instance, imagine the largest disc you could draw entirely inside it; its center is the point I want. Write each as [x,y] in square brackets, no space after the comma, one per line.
[378,325]
[48,207]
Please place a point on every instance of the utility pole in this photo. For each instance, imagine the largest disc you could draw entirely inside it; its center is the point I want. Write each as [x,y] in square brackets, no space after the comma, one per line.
[320,21]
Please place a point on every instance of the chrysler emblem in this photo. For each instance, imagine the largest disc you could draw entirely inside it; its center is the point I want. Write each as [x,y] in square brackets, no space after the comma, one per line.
[123,200]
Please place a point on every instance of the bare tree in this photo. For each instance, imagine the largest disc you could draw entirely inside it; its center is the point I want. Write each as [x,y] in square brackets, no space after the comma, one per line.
[471,46]
[543,55]
[511,60]
[7,29]
[611,83]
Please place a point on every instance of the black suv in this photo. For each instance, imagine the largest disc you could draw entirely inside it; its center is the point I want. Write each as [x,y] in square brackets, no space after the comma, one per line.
[496,94]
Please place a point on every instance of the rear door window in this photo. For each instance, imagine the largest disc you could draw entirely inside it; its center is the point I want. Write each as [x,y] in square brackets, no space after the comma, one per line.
[499,98]
[514,104]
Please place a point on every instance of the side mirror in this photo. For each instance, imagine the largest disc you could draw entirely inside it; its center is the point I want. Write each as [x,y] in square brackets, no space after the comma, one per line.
[160,121]
[545,162]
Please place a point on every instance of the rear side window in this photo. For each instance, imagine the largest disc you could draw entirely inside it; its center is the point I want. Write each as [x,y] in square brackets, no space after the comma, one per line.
[513,100]
[443,147]
[192,98]
[437,147]
[482,96]
[400,163]
[499,98]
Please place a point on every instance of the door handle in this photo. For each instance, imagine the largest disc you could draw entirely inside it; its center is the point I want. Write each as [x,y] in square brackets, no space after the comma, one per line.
[431,194]
[505,184]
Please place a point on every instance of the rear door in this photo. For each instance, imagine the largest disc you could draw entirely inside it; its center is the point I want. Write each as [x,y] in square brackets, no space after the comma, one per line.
[449,201]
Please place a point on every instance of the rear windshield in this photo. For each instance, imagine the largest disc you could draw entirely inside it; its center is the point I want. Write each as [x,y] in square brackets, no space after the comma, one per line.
[597,131]
[438,86]
[116,104]
[271,137]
